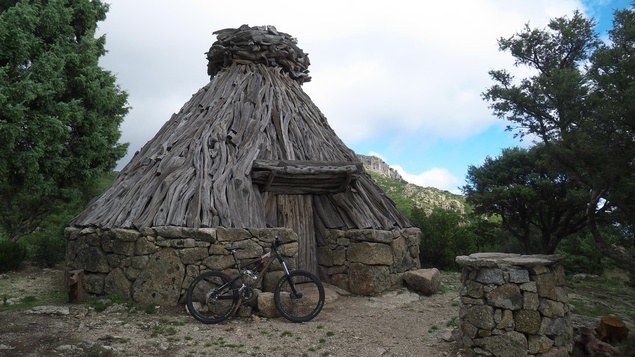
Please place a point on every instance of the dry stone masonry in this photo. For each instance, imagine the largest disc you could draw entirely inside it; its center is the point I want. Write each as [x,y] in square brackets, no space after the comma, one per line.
[514,305]
[367,261]
[156,265]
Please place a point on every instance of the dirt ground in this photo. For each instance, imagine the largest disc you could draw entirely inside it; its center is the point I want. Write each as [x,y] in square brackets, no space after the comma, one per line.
[397,323]
[36,321]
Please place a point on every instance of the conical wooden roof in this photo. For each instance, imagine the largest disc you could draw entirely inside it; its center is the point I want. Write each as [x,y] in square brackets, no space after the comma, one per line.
[251,133]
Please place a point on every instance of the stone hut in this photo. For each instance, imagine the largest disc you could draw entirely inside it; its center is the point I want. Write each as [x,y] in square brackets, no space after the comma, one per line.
[248,157]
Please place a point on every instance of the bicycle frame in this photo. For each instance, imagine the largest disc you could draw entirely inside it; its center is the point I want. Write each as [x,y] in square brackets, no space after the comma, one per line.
[268,259]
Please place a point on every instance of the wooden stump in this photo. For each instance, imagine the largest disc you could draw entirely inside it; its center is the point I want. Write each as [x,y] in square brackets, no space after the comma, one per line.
[593,346]
[75,285]
[612,329]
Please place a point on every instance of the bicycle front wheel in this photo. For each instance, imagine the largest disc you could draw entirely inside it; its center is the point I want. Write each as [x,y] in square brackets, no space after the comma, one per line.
[299,296]
[210,299]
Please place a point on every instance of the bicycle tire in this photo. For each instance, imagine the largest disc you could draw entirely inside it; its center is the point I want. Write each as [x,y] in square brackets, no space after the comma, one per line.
[208,305]
[301,308]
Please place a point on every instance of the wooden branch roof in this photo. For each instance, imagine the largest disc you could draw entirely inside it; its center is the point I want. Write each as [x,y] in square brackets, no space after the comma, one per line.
[250,134]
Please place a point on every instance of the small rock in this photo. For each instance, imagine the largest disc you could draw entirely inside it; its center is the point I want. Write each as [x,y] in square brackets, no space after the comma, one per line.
[6,347]
[448,335]
[424,281]
[50,310]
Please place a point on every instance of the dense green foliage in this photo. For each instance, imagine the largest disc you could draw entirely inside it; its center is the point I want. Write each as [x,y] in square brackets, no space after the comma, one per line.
[538,204]
[11,255]
[61,112]
[445,234]
[395,189]
[580,103]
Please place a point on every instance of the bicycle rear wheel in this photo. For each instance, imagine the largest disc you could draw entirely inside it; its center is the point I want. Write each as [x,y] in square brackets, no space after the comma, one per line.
[208,301]
[302,303]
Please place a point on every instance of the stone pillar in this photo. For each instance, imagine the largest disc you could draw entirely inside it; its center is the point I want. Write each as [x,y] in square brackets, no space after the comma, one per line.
[514,305]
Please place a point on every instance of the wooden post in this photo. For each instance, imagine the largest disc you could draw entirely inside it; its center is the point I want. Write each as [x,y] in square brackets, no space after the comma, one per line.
[75,284]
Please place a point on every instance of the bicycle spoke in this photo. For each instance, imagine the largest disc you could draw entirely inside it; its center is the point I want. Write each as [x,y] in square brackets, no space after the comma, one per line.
[303,303]
[207,301]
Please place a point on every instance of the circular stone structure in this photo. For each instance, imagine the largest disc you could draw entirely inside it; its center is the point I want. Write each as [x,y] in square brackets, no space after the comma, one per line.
[514,305]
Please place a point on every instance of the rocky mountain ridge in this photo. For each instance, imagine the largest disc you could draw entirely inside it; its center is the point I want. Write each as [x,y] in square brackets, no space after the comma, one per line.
[379,166]
[405,194]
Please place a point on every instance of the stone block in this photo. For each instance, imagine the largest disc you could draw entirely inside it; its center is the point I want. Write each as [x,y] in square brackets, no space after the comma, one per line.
[341,281]
[507,345]
[331,257]
[368,279]
[92,259]
[481,316]
[527,321]
[121,247]
[231,234]
[518,275]
[423,281]
[117,283]
[474,290]
[144,247]
[94,283]
[506,320]
[192,255]
[219,262]
[550,308]
[160,281]
[546,286]
[266,305]
[506,296]
[401,255]
[530,286]
[539,344]
[126,235]
[173,232]
[370,235]
[206,234]
[490,276]
[468,329]
[252,249]
[289,249]
[530,301]
[271,279]
[370,253]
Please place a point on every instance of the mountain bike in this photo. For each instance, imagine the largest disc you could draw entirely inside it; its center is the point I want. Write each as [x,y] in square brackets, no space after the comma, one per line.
[215,296]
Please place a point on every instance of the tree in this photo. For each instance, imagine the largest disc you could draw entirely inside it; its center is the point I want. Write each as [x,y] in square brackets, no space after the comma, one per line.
[445,235]
[530,195]
[579,103]
[61,112]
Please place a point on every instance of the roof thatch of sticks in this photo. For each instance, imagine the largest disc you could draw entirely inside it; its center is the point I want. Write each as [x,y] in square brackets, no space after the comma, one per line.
[249,134]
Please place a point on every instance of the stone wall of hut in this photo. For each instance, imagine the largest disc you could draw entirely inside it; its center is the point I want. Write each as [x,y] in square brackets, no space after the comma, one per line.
[156,265]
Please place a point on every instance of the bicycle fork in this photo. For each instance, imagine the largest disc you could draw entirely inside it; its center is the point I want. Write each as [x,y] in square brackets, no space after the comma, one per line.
[296,294]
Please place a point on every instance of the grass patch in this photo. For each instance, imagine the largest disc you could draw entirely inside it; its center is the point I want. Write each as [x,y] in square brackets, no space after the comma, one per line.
[286,334]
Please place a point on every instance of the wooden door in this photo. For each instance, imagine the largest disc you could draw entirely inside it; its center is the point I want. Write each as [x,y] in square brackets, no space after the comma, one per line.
[296,212]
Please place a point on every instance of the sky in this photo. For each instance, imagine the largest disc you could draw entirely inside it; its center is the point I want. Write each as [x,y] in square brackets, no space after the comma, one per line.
[394,80]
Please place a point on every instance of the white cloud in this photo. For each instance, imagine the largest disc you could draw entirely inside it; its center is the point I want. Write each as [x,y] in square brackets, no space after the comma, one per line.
[377,67]
[436,177]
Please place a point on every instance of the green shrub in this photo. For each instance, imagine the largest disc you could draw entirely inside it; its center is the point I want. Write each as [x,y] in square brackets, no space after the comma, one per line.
[445,234]
[11,255]
[581,255]
[47,248]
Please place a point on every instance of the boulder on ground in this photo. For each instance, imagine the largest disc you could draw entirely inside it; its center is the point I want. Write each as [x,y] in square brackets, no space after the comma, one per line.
[423,281]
